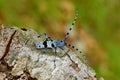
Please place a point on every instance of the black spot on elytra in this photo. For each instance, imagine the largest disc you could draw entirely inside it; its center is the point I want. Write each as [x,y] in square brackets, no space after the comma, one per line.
[52,45]
[45,44]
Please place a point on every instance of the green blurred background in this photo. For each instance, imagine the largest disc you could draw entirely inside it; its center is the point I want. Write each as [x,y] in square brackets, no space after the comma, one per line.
[98,26]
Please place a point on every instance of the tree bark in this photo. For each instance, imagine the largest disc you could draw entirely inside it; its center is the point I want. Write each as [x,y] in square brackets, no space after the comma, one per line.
[23,60]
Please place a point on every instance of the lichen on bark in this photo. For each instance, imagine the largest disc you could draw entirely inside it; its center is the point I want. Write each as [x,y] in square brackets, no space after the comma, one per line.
[28,63]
